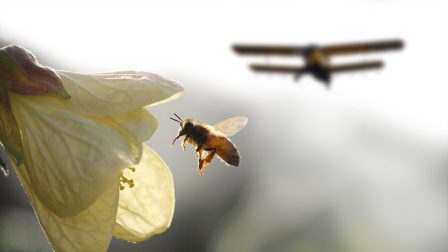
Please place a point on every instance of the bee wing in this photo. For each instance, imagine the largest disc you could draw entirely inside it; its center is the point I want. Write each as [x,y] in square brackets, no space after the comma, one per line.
[231,126]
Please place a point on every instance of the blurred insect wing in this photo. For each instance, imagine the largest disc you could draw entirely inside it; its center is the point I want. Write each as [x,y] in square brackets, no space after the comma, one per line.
[231,126]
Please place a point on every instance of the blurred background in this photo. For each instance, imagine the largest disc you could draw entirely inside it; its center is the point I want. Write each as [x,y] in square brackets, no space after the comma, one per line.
[360,166]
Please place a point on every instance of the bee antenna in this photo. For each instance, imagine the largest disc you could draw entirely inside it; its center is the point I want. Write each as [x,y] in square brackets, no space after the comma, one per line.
[174,119]
[178,116]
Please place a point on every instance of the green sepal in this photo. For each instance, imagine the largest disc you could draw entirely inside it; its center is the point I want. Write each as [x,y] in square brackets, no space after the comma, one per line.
[21,73]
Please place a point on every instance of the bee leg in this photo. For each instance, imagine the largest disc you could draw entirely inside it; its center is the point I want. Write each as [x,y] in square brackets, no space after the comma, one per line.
[185,140]
[199,167]
[199,152]
[203,162]
[177,137]
[210,155]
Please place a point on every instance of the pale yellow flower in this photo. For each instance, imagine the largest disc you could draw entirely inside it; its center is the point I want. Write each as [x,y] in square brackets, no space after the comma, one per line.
[74,150]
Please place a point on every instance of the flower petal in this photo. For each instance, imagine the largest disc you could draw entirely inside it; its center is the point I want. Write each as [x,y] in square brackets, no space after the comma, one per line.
[91,230]
[118,92]
[147,208]
[71,159]
[140,122]
[10,134]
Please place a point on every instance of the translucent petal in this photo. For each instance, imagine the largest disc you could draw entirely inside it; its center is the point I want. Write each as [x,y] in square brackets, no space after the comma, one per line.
[90,230]
[140,122]
[118,92]
[147,208]
[10,134]
[71,159]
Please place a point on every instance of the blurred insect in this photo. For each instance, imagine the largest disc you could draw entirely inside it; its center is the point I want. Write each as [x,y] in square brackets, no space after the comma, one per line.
[211,139]
[317,58]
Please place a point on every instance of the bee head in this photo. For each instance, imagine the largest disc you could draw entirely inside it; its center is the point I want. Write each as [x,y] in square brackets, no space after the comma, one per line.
[185,126]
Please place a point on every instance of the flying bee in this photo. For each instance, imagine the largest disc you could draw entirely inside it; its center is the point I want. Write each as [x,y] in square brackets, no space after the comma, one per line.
[211,139]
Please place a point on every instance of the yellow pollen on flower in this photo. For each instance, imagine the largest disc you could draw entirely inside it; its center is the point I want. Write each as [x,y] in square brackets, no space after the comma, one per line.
[125,181]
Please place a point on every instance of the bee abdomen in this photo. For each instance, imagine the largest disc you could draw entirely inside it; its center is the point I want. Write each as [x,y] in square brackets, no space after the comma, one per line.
[228,152]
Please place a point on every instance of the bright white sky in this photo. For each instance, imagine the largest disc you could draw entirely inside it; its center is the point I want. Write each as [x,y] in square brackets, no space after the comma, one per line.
[190,41]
